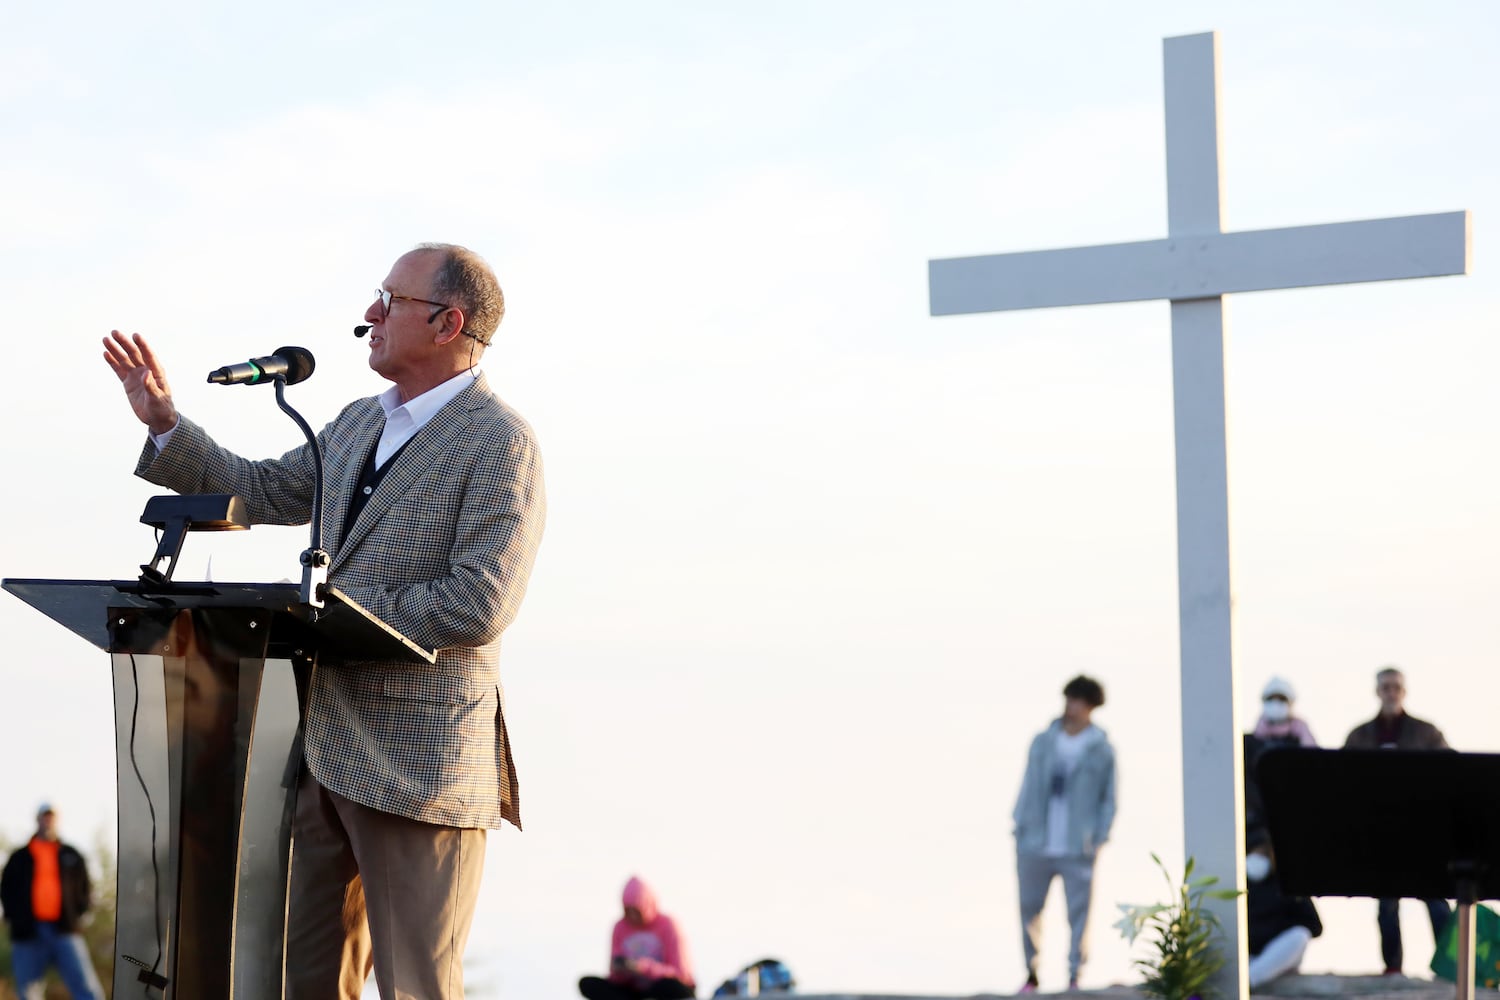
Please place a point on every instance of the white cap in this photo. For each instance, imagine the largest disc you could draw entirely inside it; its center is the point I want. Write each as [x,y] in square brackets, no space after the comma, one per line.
[1279,686]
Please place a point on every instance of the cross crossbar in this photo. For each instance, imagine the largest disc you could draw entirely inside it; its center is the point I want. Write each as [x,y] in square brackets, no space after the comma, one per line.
[1193,267]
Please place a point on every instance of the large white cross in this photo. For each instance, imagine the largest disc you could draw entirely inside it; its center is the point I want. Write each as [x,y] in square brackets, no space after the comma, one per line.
[1194,267]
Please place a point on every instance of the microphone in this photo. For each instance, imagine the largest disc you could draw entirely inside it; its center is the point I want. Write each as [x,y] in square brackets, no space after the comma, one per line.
[362,329]
[292,364]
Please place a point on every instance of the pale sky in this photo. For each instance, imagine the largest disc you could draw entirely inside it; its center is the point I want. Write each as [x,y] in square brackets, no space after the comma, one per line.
[817,565]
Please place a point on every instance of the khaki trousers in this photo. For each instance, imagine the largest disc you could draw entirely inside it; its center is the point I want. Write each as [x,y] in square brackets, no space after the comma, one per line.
[371,890]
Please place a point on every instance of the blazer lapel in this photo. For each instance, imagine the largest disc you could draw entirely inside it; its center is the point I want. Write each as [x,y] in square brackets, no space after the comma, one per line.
[415,459]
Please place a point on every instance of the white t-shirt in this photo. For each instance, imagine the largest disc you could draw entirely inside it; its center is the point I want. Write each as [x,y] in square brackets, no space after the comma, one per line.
[1067,751]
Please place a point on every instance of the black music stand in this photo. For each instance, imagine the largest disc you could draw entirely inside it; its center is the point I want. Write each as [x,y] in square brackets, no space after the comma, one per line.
[1388,823]
[206,713]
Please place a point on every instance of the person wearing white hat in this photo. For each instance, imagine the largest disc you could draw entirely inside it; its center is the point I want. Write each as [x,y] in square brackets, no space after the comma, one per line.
[1277,725]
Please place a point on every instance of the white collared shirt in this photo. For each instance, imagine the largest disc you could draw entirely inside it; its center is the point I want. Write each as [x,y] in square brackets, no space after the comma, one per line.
[403,420]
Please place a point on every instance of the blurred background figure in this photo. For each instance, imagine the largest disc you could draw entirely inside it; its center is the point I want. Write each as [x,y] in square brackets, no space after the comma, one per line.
[1063,816]
[1280,926]
[1393,729]
[1278,726]
[648,957]
[45,891]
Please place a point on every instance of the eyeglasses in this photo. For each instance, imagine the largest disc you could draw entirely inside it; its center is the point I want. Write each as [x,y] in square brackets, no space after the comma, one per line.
[385,296]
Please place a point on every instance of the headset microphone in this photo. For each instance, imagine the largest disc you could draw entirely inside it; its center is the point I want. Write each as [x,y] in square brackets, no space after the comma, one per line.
[362,329]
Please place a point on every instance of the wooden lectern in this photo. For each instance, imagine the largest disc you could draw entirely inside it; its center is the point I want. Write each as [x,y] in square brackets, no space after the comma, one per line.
[207,679]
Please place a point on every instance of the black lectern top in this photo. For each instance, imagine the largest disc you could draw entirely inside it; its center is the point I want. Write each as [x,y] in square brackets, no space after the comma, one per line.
[1384,823]
[83,607]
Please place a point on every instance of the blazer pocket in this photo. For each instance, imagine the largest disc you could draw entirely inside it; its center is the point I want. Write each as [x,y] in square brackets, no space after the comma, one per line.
[442,689]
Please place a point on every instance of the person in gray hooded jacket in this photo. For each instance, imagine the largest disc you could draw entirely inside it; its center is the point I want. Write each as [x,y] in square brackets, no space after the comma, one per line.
[1063,816]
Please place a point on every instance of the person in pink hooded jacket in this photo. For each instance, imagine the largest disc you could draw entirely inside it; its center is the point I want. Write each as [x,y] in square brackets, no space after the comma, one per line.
[1277,726]
[648,957]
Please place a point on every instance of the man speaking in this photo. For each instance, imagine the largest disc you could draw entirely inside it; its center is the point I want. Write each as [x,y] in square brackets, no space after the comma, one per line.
[434,513]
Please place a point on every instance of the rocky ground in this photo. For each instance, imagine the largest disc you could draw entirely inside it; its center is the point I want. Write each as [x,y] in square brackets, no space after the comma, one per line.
[1306,986]
[1399,987]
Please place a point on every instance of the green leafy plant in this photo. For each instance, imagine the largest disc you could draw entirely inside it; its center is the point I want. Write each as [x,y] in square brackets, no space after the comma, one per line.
[1183,933]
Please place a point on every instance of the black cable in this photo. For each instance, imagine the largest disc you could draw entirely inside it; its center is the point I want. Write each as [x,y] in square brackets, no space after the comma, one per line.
[155,871]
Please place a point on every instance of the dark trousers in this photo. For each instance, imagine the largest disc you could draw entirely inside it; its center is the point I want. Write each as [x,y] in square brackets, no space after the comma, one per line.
[660,989]
[1389,919]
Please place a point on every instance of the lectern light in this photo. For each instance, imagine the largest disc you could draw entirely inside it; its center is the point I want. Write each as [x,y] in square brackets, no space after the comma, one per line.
[174,516]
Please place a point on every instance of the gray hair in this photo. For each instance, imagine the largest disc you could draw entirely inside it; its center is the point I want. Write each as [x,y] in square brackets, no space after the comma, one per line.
[465,280]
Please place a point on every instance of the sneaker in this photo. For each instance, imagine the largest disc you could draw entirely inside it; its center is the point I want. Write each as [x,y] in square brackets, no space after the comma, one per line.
[1391,972]
[1073,985]
[1027,987]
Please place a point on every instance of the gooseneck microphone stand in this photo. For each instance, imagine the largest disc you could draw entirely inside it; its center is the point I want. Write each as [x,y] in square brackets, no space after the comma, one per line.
[315,558]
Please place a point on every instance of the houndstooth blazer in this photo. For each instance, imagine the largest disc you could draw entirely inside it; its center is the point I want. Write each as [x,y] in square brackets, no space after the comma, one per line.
[442,552]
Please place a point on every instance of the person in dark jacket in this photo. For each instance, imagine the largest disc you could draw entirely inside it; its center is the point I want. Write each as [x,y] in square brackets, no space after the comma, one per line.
[45,892]
[1280,926]
[1393,729]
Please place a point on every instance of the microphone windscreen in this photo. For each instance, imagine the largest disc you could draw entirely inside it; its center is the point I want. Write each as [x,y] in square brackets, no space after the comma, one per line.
[362,329]
[299,363]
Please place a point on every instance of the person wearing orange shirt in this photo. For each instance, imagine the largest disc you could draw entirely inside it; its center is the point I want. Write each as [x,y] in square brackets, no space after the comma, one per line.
[45,892]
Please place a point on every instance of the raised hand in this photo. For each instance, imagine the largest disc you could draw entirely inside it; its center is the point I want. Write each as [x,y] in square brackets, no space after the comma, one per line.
[144,380]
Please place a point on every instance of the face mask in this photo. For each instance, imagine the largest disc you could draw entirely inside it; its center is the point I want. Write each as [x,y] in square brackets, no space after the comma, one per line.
[1276,710]
[1257,867]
